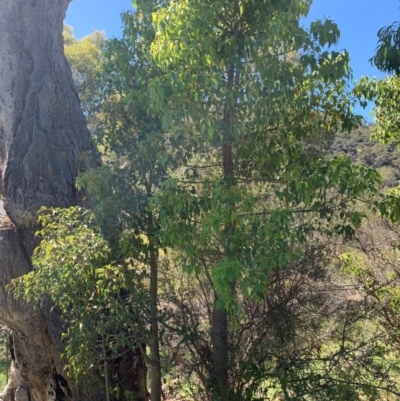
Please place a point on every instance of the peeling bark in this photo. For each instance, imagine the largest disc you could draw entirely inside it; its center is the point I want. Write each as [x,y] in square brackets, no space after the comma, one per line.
[42,137]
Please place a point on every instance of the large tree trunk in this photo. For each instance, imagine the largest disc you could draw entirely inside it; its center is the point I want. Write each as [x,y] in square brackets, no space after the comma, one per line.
[42,137]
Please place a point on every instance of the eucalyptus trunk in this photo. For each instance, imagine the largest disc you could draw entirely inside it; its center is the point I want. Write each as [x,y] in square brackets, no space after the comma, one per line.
[43,136]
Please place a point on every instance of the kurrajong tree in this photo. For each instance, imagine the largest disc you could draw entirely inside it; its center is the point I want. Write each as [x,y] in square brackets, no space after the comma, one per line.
[244,82]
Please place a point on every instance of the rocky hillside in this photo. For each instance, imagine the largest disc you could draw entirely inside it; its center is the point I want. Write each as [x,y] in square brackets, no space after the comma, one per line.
[359,147]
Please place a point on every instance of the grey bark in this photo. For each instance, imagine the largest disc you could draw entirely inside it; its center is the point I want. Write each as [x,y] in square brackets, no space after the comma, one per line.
[42,135]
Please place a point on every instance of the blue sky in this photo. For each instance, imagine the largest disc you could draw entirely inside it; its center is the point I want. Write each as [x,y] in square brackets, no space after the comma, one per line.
[104,15]
[358,21]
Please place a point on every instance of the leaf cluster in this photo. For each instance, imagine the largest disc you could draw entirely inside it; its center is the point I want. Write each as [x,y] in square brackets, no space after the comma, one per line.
[387,54]
[96,296]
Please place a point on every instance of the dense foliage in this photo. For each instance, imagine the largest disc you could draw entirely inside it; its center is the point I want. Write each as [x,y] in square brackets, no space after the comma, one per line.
[85,56]
[229,233]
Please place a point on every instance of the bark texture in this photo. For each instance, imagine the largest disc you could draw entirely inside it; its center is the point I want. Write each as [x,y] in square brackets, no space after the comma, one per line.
[42,128]
[42,137]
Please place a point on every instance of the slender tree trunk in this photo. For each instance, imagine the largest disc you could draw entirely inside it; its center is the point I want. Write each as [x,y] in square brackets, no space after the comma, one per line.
[220,332]
[106,374]
[220,384]
[155,365]
[220,328]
